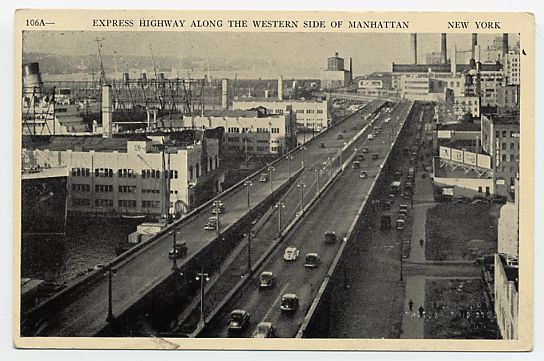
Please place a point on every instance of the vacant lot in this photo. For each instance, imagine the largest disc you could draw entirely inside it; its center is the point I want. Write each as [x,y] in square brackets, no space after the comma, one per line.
[461,232]
[456,309]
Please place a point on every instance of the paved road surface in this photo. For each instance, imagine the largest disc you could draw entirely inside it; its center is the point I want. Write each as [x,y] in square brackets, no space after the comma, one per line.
[334,212]
[136,277]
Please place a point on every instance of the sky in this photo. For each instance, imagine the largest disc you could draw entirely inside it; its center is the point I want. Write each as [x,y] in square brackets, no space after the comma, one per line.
[370,52]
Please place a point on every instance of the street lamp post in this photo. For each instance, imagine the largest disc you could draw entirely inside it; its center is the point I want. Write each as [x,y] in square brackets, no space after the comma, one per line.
[174,263]
[217,205]
[248,184]
[202,277]
[271,172]
[317,170]
[289,157]
[279,206]
[249,235]
[111,273]
[302,149]
[301,186]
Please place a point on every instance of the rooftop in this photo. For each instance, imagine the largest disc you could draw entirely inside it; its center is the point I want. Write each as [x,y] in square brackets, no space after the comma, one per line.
[467,127]
[503,118]
[441,68]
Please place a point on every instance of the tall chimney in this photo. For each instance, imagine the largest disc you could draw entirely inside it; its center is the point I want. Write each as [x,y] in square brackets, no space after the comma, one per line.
[504,44]
[224,94]
[443,50]
[413,47]
[473,46]
[107,110]
[350,70]
[454,61]
[280,88]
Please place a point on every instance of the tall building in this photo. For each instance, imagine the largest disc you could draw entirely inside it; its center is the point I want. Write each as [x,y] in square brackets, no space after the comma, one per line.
[152,175]
[512,68]
[500,139]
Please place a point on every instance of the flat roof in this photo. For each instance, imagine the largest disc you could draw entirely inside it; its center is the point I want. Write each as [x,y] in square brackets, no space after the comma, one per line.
[441,68]
[460,127]
[503,118]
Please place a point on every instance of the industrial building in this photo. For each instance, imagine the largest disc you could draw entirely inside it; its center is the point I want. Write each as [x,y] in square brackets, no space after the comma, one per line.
[311,115]
[154,175]
[250,132]
[336,76]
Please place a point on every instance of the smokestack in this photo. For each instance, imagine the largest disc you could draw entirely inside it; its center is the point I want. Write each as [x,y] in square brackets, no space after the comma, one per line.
[350,70]
[473,46]
[126,78]
[32,80]
[454,61]
[443,50]
[413,47]
[504,44]
[106,111]
[280,88]
[224,94]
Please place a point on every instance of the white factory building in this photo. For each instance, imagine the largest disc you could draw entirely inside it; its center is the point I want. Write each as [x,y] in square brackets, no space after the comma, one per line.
[117,177]
[336,76]
[311,115]
[249,132]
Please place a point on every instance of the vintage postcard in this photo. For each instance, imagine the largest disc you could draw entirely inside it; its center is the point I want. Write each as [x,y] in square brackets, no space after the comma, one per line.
[330,180]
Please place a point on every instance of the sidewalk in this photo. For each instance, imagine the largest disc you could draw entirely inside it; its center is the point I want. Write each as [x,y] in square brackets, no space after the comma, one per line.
[423,200]
[412,324]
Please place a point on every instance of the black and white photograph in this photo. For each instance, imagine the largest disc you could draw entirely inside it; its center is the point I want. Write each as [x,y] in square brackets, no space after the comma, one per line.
[276,180]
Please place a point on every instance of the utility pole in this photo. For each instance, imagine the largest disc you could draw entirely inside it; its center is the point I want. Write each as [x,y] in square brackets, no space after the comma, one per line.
[289,157]
[302,148]
[110,317]
[217,206]
[271,170]
[317,170]
[249,235]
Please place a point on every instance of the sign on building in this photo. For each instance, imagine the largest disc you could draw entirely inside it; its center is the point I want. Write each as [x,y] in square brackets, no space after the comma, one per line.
[444,134]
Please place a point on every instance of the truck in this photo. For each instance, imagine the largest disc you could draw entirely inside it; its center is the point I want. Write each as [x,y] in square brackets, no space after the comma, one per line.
[395,187]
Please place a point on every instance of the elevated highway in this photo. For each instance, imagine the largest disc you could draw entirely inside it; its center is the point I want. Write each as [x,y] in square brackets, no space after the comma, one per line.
[81,309]
[336,211]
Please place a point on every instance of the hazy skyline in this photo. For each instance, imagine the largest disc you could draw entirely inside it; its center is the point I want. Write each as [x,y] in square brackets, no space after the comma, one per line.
[283,51]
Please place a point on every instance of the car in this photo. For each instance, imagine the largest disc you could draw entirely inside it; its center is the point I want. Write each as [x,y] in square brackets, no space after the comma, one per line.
[403,207]
[375,156]
[343,130]
[238,320]
[264,177]
[363,174]
[267,280]
[353,127]
[311,260]
[211,225]
[400,224]
[330,237]
[179,250]
[265,330]
[365,150]
[340,136]
[322,145]
[397,175]
[387,205]
[370,136]
[401,215]
[360,156]
[291,254]
[356,164]
[289,302]
[385,221]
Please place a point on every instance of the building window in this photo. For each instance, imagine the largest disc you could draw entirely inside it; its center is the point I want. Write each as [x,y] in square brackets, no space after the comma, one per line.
[479,189]
[504,157]
[103,188]
[191,172]
[503,146]
[319,111]
[126,203]
[81,202]
[497,134]
[504,133]
[151,204]
[127,189]
[103,203]
[197,170]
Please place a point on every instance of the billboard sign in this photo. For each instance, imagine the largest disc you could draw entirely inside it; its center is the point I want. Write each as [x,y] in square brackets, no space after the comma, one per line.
[484,161]
[457,155]
[469,158]
[444,134]
[445,152]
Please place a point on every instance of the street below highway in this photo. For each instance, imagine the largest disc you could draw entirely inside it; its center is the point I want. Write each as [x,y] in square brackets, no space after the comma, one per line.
[335,211]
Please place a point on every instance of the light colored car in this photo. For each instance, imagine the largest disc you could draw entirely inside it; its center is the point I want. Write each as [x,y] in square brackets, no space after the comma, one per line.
[211,225]
[363,174]
[264,330]
[264,177]
[291,254]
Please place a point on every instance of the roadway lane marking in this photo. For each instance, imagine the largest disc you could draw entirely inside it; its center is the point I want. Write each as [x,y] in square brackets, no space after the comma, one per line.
[275,301]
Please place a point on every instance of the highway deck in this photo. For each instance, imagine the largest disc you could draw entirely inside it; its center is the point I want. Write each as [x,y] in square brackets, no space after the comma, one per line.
[335,211]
